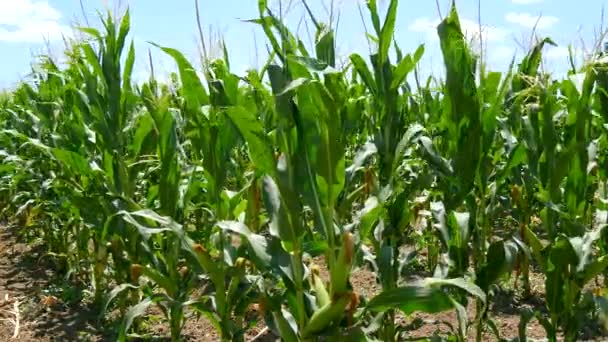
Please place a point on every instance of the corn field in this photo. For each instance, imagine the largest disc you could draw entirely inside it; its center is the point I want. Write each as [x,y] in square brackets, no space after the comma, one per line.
[213,193]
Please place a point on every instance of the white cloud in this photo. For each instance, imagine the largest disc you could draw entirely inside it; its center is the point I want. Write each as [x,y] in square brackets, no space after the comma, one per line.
[526,2]
[30,21]
[528,20]
[469,27]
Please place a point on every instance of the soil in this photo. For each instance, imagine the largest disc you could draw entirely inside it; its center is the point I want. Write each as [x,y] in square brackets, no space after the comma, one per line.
[27,281]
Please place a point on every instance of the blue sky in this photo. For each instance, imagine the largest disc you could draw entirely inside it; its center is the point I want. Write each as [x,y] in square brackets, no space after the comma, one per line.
[506,24]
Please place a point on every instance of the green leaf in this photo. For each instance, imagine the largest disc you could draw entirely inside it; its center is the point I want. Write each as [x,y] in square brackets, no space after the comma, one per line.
[536,247]
[280,224]
[433,157]
[388,30]
[110,297]
[409,138]
[368,150]
[286,325]
[461,315]
[170,167]
[28,141]
[144,127]
[325,46]
[530,64]
[368,216]
[439,216]
[165,282]
[460,283]
[364,73]
[257,242]
[459,226]
[516,157]
[128,69]
[411,299]
[77,163]
[312,64]
[373,9]
[295,84]
[404,67]
[90,31]
[125,26]
[583,246]
[500,259]
[91,57]
[593,269]
[561,258]
[462,104]
[134,312]
[193,90]
[260,146]
[144,230]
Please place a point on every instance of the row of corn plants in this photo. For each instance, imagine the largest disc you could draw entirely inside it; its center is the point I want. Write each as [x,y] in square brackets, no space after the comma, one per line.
[213,193]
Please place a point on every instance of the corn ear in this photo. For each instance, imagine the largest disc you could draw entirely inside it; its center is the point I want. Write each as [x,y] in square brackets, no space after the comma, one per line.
[341,271]
[317,284]
[326,315]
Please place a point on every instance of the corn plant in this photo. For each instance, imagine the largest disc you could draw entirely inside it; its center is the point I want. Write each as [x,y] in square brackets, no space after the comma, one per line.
[214,193]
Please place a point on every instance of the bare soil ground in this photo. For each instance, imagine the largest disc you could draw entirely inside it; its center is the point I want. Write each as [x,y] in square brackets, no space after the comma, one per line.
[26,309]
[25,301]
